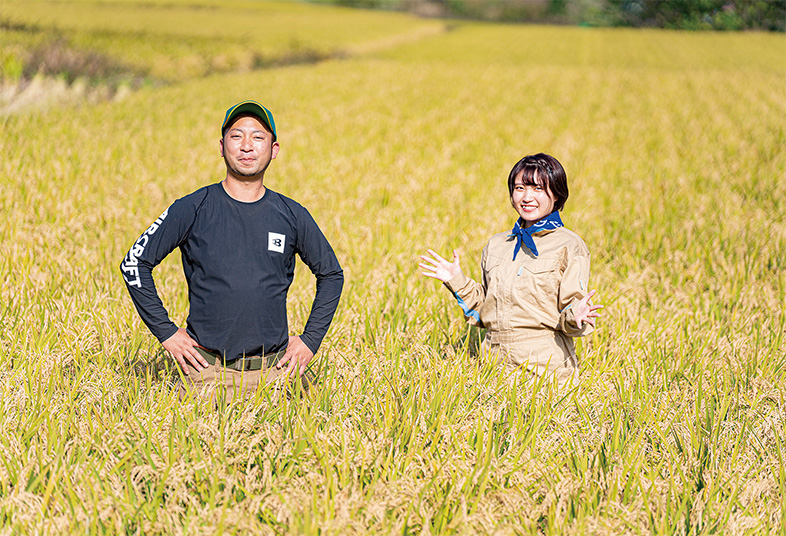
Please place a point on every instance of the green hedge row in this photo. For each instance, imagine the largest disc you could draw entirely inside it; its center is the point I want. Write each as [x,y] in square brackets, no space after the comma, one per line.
[730,15]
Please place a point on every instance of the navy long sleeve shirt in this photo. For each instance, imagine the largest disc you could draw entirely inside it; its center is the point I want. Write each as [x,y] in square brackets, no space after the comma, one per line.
[239,261]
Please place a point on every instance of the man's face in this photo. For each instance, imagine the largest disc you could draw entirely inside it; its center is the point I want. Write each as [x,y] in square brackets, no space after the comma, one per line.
[248,147]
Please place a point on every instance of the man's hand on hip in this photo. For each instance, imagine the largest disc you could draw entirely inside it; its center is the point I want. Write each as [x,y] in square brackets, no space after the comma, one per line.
[297,356]
[182,348]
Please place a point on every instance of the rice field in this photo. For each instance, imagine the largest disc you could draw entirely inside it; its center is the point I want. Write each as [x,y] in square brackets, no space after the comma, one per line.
[177,40]
[674,148]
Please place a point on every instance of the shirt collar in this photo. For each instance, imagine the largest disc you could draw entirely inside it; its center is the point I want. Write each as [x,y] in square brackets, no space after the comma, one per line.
[524,236]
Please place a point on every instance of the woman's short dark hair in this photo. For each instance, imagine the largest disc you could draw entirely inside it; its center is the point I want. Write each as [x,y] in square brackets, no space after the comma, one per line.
[542,170]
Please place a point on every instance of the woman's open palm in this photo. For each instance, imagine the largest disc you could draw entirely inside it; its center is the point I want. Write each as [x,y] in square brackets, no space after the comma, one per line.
[440,268]
[585,312]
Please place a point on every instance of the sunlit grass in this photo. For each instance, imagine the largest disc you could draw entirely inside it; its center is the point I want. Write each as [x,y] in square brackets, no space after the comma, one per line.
[173,41]
[676,168]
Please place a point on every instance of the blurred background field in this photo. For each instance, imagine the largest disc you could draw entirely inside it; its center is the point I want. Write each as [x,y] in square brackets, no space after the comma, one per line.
[70,50]
[398,133]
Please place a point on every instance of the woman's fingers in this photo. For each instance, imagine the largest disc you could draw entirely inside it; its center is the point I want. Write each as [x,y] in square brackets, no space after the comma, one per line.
[435,263]
[430,271]
[429,260]
[587,312]
[437,256]
[585,300]
[438,267]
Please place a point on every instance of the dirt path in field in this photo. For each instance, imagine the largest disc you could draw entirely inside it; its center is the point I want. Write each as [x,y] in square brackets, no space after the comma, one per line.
[396,40]
[44,91]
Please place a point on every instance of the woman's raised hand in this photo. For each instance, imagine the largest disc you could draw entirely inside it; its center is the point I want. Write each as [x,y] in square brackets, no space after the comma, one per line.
[584,312]
[440,268]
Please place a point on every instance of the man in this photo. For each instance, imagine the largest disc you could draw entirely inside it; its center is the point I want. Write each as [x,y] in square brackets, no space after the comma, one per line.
[238,241]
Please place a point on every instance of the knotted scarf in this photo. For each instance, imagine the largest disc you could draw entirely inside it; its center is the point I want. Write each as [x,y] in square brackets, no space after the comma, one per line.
[524,236]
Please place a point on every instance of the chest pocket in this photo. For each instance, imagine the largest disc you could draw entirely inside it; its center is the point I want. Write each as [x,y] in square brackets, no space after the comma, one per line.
[542,265]
[538,280]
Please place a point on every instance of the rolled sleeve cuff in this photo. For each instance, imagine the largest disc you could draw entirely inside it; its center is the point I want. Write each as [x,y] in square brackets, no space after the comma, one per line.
[569,327]
[456,283]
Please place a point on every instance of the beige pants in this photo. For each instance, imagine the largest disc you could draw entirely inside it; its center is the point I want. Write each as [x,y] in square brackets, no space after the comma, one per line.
[217,381]
[535,355]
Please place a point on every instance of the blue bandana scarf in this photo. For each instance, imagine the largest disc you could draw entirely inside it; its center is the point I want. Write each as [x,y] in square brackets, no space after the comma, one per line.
[524,236]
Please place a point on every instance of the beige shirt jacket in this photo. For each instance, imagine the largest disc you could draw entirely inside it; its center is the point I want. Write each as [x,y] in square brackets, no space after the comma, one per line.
[526,304]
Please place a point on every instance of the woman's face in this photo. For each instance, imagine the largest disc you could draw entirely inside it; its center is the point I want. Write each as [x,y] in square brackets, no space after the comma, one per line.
[531,201]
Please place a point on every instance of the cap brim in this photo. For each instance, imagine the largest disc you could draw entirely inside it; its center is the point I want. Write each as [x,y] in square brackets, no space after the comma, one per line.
[253,108]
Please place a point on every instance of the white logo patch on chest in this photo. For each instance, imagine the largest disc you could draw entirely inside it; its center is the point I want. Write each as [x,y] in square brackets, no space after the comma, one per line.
[275,242]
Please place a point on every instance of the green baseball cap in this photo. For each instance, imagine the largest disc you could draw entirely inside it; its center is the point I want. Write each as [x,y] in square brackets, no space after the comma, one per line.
[250,107]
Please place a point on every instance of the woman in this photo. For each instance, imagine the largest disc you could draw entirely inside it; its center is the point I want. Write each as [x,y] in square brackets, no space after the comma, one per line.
[533,298]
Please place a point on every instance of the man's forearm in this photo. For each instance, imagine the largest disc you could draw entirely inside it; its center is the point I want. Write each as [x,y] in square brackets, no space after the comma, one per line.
[323,309]
[148,304]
